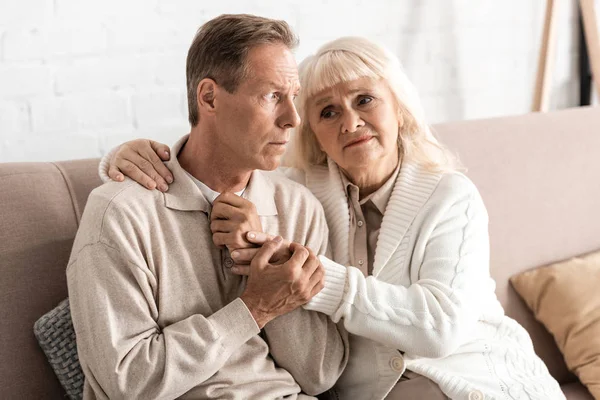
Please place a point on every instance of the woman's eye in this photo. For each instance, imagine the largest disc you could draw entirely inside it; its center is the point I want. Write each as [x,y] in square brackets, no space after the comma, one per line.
[365,100]
[326,114]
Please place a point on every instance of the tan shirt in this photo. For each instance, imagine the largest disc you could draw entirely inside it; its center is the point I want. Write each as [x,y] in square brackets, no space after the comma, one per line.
[365,221]
[157,312]
[366,216]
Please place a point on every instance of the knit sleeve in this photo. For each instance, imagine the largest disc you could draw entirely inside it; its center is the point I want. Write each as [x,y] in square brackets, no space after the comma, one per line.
[105,164]
[433,315]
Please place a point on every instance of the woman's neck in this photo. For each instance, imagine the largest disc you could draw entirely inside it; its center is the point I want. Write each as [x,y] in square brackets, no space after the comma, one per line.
[370,179]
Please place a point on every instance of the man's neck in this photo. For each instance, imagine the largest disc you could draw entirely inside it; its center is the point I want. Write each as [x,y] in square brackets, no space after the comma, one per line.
[206,161]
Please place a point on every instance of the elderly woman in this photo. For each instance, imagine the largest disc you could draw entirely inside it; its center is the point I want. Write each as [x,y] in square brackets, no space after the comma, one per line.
[410,275]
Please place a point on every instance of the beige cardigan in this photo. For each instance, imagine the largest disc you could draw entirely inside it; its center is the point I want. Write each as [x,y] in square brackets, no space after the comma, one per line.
[157,313]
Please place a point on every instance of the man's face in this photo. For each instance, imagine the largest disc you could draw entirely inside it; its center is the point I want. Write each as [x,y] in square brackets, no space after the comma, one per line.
[254,122]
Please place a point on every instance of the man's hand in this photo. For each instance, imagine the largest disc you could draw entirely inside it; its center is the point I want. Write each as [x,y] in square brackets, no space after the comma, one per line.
[142,161]
[274,290]
[243,257]
[231,218]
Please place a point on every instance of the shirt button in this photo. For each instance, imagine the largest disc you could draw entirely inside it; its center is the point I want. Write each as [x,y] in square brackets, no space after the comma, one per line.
[397,364]
[228,262]
[360,224]
[361,262]
[476,395]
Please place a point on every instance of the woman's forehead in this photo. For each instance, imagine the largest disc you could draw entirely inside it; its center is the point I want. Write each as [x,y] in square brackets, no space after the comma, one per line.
[346,88]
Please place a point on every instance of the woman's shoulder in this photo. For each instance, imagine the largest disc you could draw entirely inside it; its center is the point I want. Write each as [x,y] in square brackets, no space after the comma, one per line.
[295,174]
[457,182]
[452,187]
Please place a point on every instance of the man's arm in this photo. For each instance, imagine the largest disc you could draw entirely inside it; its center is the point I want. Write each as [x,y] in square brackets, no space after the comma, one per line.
[123,351]
[309,344]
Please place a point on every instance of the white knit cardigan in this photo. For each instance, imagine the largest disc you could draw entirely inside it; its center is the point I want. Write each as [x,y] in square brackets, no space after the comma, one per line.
[430,305]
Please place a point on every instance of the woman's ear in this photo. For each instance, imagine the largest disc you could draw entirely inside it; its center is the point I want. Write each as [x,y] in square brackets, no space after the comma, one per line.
[400,119]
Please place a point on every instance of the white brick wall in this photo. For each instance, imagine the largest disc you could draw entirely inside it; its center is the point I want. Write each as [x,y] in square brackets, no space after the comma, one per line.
[79,76]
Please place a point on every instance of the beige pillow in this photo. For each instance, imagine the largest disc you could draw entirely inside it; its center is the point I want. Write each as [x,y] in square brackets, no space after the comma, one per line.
[565,297]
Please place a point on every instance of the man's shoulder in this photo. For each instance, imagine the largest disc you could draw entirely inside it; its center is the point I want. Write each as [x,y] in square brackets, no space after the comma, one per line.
[119,203]
[288,190]
[122,194]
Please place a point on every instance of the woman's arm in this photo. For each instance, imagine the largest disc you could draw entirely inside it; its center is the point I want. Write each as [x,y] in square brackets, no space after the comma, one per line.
[140,160]
[434,315]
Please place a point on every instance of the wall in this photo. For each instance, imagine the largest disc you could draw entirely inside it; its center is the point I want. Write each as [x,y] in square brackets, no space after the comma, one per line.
[79,76]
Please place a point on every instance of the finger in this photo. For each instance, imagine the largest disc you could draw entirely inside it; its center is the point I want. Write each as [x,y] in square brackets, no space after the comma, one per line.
[318,287]
[222,225]
[241,270]
[220,239]
[244,256]
[146,166]
[222,210]
[131,170]
[115,174]
[161,173]
[162,150]
[232,199]
[311,264]
[258,237]
[265,253]
[232,241]
[317,276]
[299,256]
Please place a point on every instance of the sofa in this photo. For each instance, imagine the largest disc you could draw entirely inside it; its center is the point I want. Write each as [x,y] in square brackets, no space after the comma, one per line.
[539,175]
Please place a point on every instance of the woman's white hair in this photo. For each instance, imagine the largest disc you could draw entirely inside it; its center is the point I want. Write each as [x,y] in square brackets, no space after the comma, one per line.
[350,58]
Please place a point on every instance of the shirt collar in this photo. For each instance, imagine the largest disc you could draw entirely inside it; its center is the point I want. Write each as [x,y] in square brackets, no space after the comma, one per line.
[186,195]
[207,192]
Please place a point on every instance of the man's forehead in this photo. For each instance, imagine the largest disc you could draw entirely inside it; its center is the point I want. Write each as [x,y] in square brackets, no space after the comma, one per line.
[273,65]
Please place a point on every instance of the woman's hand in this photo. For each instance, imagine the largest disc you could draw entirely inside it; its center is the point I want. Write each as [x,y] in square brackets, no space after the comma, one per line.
[142,161]
[231,218]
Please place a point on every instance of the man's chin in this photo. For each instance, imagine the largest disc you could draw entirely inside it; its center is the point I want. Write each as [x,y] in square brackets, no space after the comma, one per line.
[270,164]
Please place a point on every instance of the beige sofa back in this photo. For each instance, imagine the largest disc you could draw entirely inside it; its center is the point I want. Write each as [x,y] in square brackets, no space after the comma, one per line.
[539,176]
[40,207]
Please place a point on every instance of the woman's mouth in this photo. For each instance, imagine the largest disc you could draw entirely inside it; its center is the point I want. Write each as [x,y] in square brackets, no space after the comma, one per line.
[358,141]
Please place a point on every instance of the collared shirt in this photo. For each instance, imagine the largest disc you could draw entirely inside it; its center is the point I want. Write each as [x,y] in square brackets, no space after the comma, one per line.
[208,193]
[366,216]
[157,316]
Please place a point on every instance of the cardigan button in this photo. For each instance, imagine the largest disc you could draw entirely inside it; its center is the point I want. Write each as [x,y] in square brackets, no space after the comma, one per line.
[397,364]
[476,395]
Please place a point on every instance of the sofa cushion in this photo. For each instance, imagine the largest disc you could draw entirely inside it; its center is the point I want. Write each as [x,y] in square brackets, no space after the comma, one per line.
[56,336]
[564,296]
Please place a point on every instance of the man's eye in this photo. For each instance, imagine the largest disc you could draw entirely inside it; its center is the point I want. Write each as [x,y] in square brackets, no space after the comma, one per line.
[365,100]
[272,96]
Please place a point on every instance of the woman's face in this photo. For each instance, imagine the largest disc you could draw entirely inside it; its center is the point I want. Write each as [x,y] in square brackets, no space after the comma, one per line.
[356,123]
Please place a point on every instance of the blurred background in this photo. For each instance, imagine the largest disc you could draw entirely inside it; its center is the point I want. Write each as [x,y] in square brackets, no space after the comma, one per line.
[78,77]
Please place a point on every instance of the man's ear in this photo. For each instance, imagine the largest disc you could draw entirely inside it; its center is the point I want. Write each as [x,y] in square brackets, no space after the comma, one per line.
[205,95]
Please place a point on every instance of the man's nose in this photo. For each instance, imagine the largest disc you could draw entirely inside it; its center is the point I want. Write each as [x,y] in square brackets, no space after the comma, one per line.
[290,117]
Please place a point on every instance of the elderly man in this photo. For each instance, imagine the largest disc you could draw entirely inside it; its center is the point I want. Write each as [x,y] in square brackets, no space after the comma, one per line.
[156,309]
